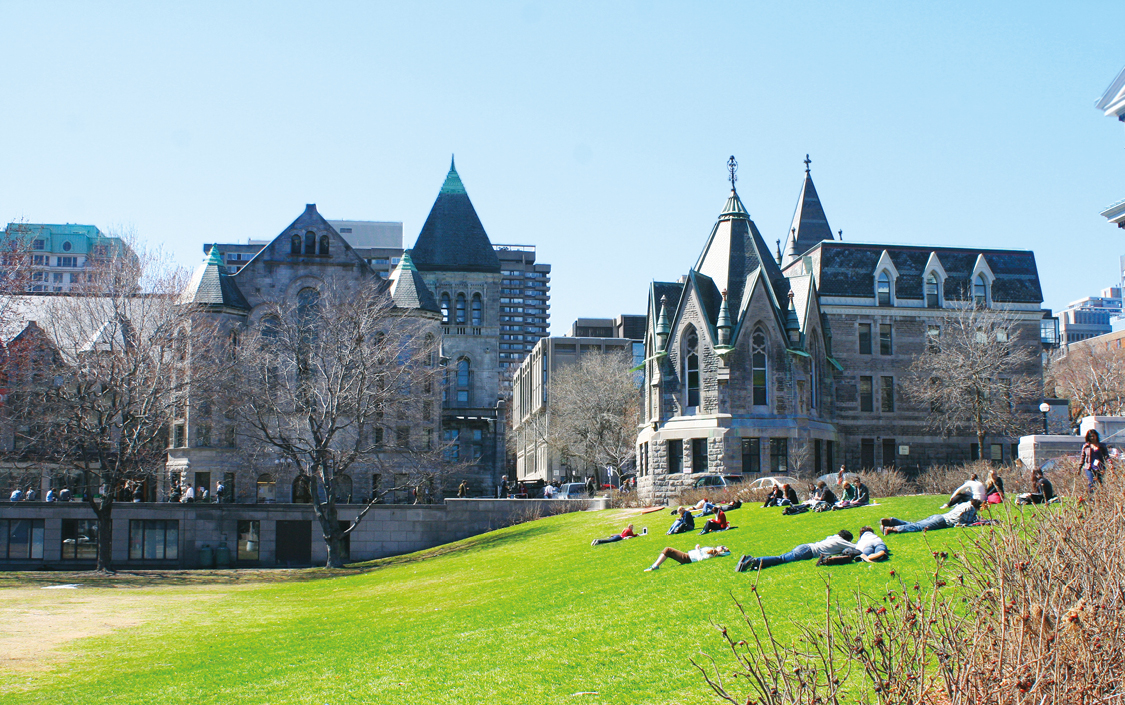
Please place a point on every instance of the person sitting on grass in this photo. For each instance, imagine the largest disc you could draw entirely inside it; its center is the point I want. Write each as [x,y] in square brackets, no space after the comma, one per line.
[994,491]
[719,523]
[774,498]
[693,556]
[860,496]
[784,496]
[871,546]
[961,515]
[685,522]
[824,496]
[832,545]
[628,533]
[1042,490]
[972,489]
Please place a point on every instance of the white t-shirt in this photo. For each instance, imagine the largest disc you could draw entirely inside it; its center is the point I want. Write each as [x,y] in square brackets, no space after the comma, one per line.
[869,543]
[701,554]
[974,487]
[831,546]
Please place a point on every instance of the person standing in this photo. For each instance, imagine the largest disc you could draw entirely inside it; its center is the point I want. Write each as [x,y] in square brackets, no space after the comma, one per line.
[189,495]
[1093,458]
[463,489]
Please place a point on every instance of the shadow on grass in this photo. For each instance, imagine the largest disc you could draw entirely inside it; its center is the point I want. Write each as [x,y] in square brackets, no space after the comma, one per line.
[465,546]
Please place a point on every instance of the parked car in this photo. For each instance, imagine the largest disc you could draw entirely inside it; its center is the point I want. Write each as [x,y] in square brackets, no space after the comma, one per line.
[830,478]
[717,481]
[572,490]
[768,483]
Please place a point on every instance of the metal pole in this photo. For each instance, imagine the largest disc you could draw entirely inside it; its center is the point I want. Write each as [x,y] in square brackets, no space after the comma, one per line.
[1045,431]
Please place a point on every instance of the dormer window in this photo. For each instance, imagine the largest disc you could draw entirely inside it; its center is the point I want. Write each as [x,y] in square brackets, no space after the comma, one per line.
[883,289]
[933,291]
[980,291]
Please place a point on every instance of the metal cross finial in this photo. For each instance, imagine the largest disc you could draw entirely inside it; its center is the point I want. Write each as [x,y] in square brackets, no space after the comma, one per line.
[807,162]
[732,166]
[841,233]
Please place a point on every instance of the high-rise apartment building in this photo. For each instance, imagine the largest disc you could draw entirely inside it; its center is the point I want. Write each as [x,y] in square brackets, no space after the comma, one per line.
[525,303]
[60,254]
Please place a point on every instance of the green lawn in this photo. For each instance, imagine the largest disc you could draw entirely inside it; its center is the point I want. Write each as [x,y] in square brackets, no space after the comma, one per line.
[527,614]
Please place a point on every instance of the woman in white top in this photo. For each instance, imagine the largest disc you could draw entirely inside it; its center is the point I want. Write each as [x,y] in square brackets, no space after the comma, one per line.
[693,556]
[871,546]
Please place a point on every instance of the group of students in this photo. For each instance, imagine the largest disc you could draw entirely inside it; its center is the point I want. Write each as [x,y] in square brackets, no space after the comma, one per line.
[30,495]
[821,497]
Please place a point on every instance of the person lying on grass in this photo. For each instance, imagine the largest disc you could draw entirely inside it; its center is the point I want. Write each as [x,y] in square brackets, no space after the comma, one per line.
[628,533]
[719,523]
[685,522]
[860,497]
[961,515]
[871,546]
[832,545]
[693,556]
[736,504]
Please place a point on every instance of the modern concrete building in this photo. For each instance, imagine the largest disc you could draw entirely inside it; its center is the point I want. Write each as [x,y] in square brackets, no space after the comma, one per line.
[1091,316]
[60,254]
[624,326]
[525,304]
[1112,104]
[753,366]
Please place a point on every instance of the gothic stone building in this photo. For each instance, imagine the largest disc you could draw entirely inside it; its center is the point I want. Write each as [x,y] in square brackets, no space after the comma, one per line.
[764,366]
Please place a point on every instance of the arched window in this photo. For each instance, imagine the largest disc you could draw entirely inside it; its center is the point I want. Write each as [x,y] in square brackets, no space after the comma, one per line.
[308,305]
[302,490]
[883,288]
[343,489]
[295,244]
[459,317]
[323,244]
[310,243]
[445,308]
[266,487]
[758,362]
[933,291]
[464,382]
[691,367]
[476,309]
[980,291]
[429,352]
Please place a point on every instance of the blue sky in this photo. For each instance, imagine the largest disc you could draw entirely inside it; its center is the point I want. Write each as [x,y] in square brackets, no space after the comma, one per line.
[596,131]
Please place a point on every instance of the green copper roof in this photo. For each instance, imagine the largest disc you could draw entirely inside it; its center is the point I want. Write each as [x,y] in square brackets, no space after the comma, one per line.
[406,264]
[214,257]
[212,286]
[452,180]
[734,207]
[724,314]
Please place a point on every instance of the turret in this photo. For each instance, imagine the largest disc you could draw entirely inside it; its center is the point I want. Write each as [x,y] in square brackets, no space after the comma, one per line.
[663,328]
[793,324]
[724,325]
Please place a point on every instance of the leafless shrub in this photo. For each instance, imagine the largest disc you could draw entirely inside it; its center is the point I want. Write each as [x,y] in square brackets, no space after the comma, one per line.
[716,495]
[887,482]
[1029,612]
[943,479]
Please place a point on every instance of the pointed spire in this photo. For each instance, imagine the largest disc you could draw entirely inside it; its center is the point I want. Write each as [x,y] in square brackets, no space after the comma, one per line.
[406,264]
[453,180]
[663,328]
[810,225]
[214,257]
[724,325]
[793,323]
[212,286]
[453,238]
[408,290]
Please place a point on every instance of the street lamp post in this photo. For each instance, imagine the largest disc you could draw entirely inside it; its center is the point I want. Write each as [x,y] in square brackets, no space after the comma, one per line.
[1045,407]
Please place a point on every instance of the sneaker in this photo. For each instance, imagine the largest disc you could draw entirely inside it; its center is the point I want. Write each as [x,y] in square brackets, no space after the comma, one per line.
[743,563]
[594,542]
[651,568]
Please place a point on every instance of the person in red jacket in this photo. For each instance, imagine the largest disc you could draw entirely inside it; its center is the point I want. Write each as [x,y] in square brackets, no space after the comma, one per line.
[719,523]
[628,533]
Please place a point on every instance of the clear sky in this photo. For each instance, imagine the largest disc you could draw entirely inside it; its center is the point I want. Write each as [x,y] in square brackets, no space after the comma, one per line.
[595,131]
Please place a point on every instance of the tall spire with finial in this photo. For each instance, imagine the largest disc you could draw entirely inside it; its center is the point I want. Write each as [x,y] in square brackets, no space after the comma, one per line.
[732,167]
[810,225]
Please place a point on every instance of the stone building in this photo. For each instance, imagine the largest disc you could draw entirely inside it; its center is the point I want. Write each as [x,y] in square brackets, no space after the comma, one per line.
[756,365]
[459,265]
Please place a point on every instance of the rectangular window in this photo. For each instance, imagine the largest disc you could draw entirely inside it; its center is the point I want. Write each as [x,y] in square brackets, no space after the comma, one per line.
[996,453]
[452,452]
[866,453]
[57,277]
[249,532]
[888,389]
[751,455]
[864,338]
[885,339]
[699,455]
[402,436]
[974,451]
[38,244]
[779,455]
[178,435]
[79,539]
[68,261]
[675,456]
[865,397]
[154,540]
[21,539]
[830,455]
[478,444]
[933,334]
[816,456]
[889,455]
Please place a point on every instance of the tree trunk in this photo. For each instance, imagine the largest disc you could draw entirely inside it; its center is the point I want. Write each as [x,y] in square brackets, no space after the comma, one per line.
[104,513]
[335,544]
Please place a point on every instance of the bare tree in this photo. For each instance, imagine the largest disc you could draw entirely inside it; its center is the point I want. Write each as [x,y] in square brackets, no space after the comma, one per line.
[16,276]
[978,375]
[594,411]
[341,379]
[1092,376]
[97,376]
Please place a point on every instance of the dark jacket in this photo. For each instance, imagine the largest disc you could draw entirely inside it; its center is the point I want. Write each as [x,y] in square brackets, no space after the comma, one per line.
[1045,488]
[994,487]
[827,495]
[791,495]
[862,495]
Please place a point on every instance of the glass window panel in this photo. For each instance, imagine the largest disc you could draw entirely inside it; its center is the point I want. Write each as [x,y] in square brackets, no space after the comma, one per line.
[248,540]
[19,539]
[153,540]
[4,529]
[136,540]
[172,540]
[37,538]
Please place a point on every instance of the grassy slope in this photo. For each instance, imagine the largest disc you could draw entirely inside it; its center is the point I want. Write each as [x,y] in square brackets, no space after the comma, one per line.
[527,614]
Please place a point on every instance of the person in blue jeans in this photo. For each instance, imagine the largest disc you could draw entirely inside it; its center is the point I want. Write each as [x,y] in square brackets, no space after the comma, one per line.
[961,515]
[832,545]
[1094,454]
[686,522]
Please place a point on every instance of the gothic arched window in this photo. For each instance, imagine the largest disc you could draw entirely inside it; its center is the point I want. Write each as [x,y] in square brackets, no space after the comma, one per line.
[980,291]
[459,318]
[310,243]
[445,308]
[295,244]
[691,367]
[883,288]
[464,382]
[933,291]
[758,360]
[476,311]
[323,244]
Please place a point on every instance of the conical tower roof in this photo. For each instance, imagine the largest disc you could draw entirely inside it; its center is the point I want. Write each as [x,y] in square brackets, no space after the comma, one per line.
[211,285]
[453,238]
[407,288]
[809,226]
